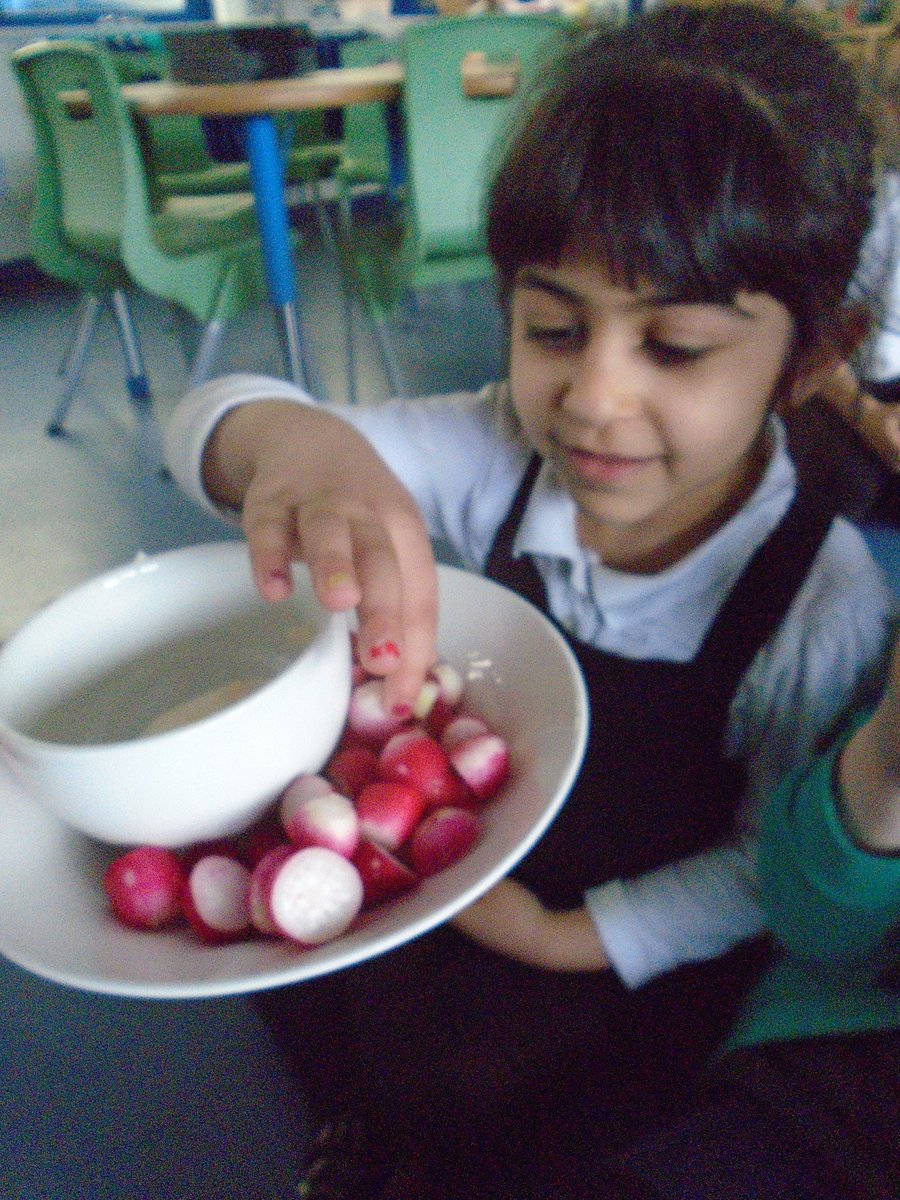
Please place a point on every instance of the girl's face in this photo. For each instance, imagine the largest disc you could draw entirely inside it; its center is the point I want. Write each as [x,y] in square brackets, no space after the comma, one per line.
[651,410]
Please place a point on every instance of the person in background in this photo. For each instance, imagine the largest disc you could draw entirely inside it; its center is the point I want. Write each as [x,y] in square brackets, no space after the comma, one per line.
[669,289]
[803,1101]
[862,471]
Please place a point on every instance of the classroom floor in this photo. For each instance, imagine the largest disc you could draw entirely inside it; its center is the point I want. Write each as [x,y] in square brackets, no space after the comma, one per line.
[107,1099]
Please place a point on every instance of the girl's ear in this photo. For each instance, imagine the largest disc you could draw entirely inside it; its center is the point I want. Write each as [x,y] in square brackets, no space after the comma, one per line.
[815,371]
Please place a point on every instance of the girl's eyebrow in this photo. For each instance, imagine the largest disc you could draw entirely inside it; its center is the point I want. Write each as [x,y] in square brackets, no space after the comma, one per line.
[529,277]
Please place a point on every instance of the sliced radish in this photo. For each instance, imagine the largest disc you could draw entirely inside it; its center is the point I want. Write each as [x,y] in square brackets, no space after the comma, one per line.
[412,756]
[328,820]
[462,727]
[351,768]
[483,762]
[260,890]
[383,875]
[216,898]
[144,887]
[442,838]
[367,716]
[388,812]
[314,896]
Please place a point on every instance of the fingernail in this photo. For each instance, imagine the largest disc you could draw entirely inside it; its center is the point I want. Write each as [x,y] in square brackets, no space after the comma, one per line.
[385,649]
[401,711]
[338,579]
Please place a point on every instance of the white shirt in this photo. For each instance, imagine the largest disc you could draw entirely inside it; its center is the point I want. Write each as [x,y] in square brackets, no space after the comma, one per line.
[462,457]
[877,281]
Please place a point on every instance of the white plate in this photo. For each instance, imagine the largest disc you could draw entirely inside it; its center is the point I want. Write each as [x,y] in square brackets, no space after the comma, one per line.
[521,677]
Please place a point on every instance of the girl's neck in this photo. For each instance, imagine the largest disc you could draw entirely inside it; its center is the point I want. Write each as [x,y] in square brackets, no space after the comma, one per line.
[650,549]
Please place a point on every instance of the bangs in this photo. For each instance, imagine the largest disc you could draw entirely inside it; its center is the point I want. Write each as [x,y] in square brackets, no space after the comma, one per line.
[668,175]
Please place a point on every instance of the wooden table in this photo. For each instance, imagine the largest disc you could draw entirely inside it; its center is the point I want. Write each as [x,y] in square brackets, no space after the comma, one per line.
[256,104]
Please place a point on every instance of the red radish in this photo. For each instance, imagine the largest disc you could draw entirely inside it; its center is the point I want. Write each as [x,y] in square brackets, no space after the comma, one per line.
[144,887]
[314,896]
[412,756]
[216,898]
[368,718]
[328,820]
[261,887]
[439,697]
[462,727]
[450,683]
[256,843]
[351,768]
[483,762]
[383,875]
[443,837]
[297,792]
[389,812]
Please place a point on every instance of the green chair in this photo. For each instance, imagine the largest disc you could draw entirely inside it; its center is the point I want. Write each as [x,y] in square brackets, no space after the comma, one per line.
[364,165]
[177,147]
[97,221]
[435,236]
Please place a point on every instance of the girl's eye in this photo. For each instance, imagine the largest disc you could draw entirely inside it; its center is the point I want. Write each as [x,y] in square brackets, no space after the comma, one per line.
[667,354]
[555,337]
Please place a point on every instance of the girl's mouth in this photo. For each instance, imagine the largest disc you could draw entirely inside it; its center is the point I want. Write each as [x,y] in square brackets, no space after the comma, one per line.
[603,469]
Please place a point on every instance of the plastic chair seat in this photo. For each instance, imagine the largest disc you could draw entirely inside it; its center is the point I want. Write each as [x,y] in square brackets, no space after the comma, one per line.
[191,224]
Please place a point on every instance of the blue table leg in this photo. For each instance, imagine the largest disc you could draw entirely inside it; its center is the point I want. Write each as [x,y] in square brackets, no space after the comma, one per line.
[267,173]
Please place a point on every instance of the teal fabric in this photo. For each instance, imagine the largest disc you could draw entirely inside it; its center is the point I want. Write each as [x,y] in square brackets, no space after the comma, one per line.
[834,908]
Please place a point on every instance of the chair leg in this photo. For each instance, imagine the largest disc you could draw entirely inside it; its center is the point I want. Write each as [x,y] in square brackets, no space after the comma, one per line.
[88,311]
[349,340]
[389,357]
[206,353]
[138,388]
[73,364]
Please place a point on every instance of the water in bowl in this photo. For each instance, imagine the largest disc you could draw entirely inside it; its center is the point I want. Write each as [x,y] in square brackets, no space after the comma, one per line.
[177,681]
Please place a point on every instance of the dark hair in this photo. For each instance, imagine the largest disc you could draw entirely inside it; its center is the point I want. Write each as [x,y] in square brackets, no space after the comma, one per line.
[705,150]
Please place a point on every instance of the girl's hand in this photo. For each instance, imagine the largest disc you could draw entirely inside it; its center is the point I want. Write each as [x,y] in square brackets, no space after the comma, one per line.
[511,920]
[312,489]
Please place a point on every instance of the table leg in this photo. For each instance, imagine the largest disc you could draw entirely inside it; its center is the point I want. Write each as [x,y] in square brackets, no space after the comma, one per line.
[267,173]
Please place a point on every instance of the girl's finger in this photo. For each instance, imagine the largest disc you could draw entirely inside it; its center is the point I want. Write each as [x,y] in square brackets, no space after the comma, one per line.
[269,529]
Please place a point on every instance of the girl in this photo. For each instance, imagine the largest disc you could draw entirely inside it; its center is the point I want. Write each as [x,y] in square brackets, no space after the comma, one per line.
[674,224]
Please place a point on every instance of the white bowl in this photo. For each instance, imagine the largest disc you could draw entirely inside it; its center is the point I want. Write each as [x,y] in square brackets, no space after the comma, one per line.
[85,681]
[520,676]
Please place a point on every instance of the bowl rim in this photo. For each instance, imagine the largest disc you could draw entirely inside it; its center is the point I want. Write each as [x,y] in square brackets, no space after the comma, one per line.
[15,740]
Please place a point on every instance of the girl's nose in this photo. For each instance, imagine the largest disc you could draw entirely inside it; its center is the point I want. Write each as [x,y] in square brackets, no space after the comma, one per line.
[604,384]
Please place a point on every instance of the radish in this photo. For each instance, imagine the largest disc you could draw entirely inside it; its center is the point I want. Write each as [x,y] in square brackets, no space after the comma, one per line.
[261,887]
[439,697]
[443,837]
[368,718]
[351,768]
[328,820]
[216,899]
[412,756]
[383,875]
[462,727]
[388,812]
[314,895]
[483,762]
[144,887]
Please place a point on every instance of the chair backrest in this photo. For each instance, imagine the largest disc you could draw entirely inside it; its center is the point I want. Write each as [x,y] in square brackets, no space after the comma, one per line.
[449,136]
[86,145]
[365,135]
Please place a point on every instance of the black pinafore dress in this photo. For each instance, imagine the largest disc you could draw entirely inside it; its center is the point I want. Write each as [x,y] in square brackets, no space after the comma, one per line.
[442,1041]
